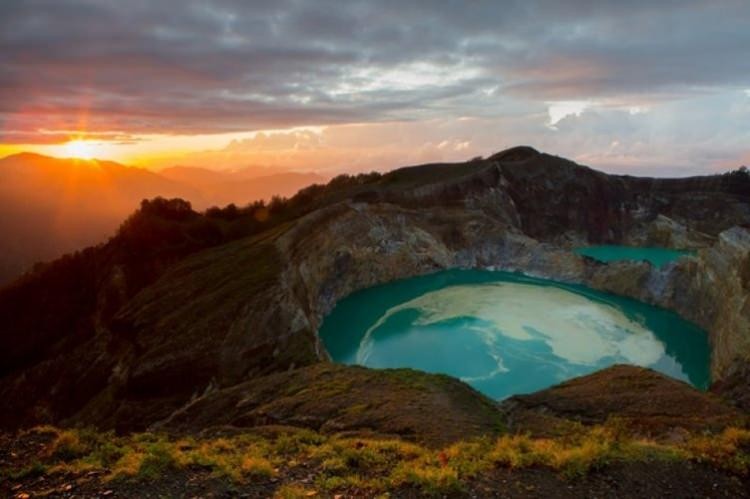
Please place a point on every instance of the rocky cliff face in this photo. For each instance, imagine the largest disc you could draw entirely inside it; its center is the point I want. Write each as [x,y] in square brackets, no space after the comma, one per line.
[241,311]
[368,245]
[491,223]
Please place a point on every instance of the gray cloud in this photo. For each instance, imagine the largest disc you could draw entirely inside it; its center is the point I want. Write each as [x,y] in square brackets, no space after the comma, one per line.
[218,66]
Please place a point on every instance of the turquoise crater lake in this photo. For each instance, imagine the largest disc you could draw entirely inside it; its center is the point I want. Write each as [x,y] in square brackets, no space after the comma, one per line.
[609,253]
[506,333]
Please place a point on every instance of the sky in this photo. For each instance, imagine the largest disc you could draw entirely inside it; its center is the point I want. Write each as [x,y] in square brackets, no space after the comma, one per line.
[641,87]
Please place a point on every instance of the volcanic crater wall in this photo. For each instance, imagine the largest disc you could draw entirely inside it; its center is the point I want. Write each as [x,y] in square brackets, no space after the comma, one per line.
[256,305]
[524,216]
[252,307]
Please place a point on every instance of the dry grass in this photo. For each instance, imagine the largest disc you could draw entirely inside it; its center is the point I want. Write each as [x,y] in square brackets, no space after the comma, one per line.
[293,491]
[372,466]
[730,449]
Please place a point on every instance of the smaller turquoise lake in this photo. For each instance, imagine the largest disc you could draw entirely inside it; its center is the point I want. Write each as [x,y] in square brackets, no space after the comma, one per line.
[505,333]
[657,256]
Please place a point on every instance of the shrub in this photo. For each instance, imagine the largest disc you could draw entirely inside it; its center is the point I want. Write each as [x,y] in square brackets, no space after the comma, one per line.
[35,469]
[729,449]
[296,442]
[68,446]
[158,459]
[429,479]
[254,466]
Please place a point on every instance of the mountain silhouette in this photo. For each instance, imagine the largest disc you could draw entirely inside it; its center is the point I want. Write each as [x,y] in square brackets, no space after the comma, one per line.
[51,206]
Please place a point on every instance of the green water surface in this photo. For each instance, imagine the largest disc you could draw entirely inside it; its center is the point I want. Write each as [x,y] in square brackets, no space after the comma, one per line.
[505,333]
[657,256]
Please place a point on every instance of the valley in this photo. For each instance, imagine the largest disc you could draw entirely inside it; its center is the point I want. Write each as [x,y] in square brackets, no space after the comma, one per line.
[52,206]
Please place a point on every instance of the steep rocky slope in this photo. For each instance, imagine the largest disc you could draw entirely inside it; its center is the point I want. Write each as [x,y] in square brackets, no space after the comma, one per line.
[209,322]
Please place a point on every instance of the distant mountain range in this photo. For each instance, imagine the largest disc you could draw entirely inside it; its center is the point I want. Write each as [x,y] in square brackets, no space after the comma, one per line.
[51,206]
[219,188]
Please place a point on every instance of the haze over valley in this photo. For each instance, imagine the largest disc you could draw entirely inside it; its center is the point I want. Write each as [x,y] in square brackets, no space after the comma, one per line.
[51,206]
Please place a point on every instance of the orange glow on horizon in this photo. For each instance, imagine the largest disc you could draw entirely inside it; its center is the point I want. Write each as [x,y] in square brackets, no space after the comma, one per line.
[157,151]
[330,149]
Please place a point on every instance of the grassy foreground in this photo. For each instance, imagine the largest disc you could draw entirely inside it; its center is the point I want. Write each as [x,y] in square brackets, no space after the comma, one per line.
[349,465]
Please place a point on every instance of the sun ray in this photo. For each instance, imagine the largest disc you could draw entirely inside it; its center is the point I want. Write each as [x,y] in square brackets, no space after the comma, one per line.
[81,149]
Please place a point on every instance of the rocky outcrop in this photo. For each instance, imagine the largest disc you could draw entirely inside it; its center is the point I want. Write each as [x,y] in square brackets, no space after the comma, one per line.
[664,232]
[726,282]
[244,310]
[639,400]
[734,387]
[367,245]
[711,289]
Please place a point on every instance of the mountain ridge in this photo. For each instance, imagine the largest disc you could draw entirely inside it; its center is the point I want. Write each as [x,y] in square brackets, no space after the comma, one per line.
[54,206]
[245,289]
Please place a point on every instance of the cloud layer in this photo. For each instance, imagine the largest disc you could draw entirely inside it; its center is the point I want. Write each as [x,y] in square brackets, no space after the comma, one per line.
[120,69]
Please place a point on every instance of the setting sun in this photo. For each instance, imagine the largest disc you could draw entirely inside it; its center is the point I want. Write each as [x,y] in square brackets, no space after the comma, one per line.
[81,149]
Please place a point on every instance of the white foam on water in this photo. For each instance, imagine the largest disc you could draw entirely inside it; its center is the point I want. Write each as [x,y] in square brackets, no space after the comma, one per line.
[578,330]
